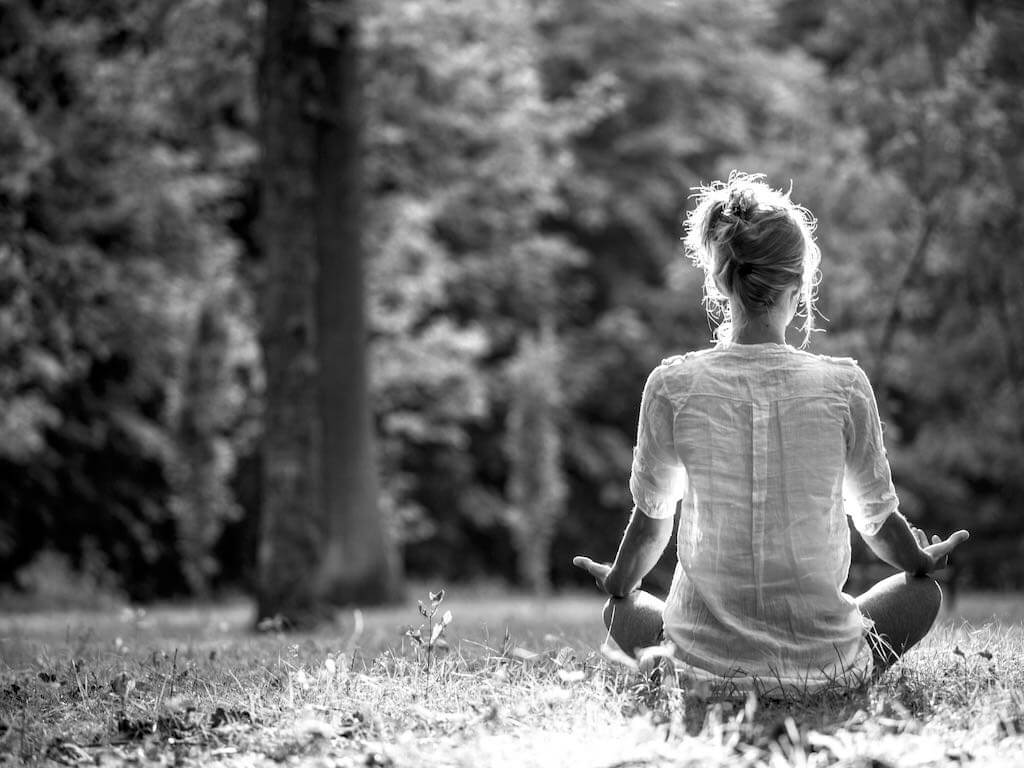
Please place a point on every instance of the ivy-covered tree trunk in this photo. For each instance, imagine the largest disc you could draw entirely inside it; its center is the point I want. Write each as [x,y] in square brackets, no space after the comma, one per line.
[323,542]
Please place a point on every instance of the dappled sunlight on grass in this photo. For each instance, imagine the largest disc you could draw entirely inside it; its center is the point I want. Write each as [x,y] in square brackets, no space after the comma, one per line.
[575,618]
[520,683]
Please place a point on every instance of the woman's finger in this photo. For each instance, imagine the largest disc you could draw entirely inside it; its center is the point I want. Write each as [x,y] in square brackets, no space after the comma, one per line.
[582,562]
[597,570]
[961,536]
[943,548]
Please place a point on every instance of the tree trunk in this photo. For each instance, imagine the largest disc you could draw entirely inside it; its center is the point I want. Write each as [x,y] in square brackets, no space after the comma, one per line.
[888,333]
[359,566]
[323,542]
[536,483]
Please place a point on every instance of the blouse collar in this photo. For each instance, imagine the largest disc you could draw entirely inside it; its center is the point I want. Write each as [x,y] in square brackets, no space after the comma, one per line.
[735,346]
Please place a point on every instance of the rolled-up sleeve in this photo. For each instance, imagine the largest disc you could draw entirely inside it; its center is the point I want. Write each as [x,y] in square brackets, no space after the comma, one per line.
[867,468]
[657,478]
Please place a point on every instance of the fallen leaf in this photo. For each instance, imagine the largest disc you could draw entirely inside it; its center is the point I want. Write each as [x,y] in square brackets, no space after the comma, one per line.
[314,728]
[522,654]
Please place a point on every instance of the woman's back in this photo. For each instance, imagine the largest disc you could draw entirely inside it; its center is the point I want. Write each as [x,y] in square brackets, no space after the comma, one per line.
[759,436]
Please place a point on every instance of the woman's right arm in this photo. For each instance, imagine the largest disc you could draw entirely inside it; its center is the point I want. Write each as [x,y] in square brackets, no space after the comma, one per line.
[905,547]
[880,524]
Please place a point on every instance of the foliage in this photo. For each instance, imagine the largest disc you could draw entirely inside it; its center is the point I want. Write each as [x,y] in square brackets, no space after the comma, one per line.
[464,159]
[526,166]
[124,395]
[50,583]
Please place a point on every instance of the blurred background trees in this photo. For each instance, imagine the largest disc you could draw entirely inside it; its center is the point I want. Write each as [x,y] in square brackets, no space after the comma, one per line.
[525,168]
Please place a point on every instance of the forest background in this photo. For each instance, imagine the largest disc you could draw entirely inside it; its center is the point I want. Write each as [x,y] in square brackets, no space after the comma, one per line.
[527,166]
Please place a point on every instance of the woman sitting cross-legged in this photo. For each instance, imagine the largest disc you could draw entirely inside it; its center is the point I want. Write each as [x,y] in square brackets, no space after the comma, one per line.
[757,439]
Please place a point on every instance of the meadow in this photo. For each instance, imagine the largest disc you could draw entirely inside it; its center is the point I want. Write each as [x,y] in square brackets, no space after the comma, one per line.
[505,680]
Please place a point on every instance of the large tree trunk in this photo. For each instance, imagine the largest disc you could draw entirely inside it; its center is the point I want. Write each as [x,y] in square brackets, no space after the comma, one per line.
[360,566]
[323,542]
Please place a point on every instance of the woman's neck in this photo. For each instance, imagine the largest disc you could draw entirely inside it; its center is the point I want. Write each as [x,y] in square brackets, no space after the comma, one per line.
[761,329]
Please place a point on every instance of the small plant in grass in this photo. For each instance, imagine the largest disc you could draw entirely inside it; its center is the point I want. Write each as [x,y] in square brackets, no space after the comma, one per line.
[430,634]
[123,685]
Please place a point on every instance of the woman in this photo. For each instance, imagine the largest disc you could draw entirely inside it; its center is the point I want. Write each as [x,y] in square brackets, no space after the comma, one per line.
[758,439]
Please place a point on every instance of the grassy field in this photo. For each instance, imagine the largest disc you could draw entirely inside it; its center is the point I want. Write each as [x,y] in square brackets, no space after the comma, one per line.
[521,684]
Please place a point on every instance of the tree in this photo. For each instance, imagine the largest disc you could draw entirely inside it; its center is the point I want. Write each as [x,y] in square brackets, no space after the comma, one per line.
[122,311]
[323,541]
[465,156]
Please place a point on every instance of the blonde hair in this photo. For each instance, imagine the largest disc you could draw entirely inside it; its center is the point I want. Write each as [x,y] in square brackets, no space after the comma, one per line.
[753,243]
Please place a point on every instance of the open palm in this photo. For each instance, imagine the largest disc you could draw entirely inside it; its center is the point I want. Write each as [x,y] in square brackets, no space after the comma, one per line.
[938,550]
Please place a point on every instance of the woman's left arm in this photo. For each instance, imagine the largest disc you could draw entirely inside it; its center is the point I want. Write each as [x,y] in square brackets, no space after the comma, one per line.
[656,483]
[643,541]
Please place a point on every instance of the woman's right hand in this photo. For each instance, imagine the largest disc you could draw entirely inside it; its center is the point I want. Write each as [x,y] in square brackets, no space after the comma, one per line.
[938,550]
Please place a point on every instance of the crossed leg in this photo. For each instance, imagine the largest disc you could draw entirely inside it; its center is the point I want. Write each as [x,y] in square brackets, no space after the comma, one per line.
[903,609]
[634,621]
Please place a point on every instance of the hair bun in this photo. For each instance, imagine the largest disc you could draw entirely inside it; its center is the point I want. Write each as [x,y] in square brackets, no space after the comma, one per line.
[753,242]
[742,204]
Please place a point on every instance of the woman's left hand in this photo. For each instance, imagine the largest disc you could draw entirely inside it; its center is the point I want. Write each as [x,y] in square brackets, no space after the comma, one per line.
[599,571]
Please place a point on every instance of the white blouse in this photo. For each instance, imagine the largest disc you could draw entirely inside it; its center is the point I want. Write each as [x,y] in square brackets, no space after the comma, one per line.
[757,441]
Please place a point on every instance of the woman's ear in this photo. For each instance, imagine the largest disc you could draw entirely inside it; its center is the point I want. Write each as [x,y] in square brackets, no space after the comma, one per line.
[792,296]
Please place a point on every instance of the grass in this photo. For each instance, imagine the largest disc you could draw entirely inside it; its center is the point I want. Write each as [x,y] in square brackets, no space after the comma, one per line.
[521,683]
